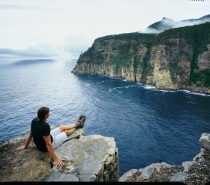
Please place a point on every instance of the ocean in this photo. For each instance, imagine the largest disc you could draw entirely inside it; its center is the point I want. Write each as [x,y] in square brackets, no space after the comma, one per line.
[148,125]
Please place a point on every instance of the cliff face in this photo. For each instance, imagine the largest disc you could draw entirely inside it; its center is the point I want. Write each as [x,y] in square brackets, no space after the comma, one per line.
[174,59]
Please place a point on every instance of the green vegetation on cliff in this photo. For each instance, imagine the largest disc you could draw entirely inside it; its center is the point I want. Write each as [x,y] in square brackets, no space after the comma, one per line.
[129,43]
[144,38]
[198,35]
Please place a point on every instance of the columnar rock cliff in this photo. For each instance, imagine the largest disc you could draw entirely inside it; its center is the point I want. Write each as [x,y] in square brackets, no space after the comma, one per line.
[175,59]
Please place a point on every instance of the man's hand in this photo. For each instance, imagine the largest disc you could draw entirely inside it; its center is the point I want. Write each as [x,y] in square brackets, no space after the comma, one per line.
[51,151]
[58,163]
[22,147]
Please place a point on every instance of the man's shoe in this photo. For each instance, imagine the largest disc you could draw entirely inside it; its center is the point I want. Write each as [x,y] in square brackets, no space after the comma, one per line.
[80,122]
[80,117]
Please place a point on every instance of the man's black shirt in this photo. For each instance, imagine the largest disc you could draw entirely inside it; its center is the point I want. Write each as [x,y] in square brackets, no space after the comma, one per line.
[40,129]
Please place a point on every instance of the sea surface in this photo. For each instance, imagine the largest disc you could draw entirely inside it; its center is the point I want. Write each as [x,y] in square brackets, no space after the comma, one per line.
[148,125]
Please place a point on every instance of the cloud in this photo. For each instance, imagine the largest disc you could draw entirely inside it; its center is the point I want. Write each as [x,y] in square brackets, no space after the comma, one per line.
[190,22]
[76,44]
[25,5]
[72,47]
[9,6]
[166,23]
[150,30]
[43,50]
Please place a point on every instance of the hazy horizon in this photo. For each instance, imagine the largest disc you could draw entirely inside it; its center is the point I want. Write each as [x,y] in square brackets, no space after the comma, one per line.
[67,28]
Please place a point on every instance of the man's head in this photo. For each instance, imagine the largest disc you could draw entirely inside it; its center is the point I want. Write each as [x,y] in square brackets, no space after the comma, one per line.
[42,113]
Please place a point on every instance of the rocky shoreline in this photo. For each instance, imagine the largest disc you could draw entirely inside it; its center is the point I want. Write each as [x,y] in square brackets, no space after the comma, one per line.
[192,172]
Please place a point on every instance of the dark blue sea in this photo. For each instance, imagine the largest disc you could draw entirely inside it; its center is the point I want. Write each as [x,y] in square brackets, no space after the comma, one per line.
[147,124]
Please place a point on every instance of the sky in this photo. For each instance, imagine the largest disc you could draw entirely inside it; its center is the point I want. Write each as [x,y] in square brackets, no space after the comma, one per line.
[66,28]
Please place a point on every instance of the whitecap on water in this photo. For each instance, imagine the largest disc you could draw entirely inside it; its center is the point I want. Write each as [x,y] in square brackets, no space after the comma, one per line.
[170,91]
[145,86]
[100,82]
[149,87]
[194,93]
[111,89]
[128,86]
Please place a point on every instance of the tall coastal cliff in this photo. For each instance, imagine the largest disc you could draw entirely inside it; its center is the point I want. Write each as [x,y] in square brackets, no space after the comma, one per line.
[175,59]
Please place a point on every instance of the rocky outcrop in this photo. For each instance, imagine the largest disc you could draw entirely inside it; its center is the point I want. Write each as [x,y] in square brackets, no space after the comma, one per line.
[95,158]
[205,140]
[196,171]
[174,59]
[86,158]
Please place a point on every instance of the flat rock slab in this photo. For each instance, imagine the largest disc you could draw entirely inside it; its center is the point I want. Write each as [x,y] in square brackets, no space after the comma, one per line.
[84,158]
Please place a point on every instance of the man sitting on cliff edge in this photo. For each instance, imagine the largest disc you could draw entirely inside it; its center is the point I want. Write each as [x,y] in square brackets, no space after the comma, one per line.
[46,140]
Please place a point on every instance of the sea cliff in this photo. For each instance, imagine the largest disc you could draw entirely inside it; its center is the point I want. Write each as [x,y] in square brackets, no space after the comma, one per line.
[175,59]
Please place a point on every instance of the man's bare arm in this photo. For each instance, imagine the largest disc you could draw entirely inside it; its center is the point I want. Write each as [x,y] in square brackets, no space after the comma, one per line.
[51,151]
[22,147]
